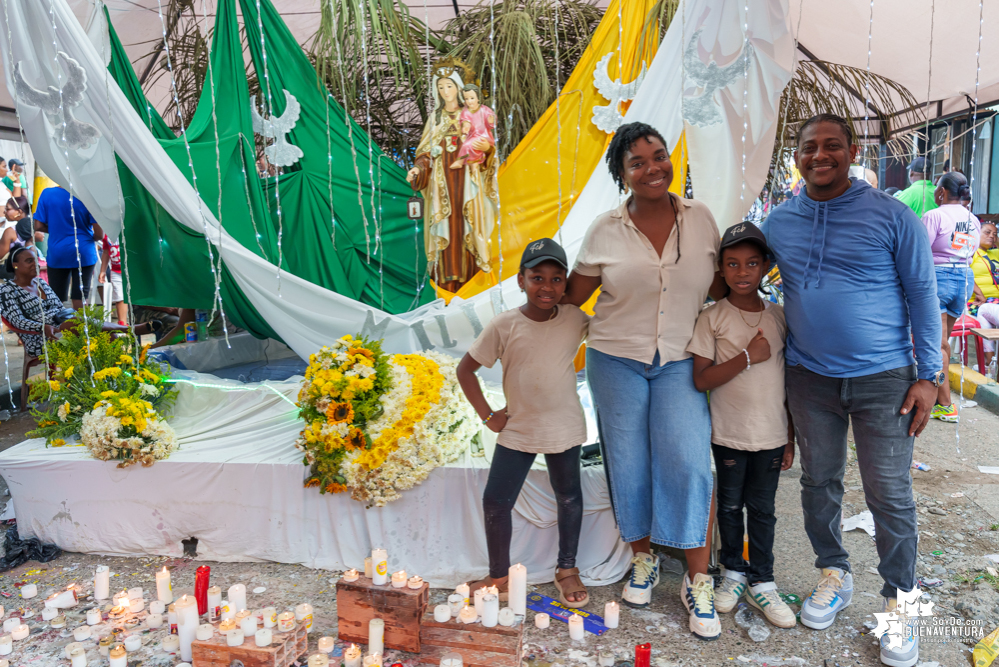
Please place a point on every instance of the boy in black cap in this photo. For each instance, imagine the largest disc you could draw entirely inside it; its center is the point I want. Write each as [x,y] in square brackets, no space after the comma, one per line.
[537,344]
[738,348]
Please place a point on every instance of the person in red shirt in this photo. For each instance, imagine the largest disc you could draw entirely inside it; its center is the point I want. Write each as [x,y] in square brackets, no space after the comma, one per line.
[111,258]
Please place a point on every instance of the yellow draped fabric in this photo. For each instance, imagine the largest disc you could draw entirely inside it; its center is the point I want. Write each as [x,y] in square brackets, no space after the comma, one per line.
[532,205]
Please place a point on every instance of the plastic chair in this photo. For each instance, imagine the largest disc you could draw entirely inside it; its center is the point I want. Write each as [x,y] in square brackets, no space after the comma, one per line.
[962,330]
[29,362]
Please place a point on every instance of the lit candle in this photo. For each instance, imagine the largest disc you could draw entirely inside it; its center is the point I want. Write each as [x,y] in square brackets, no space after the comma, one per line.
[467,615]
[517,585]
[643,655]
[154,620]
[237,596]
[352,657]
[463,591]
[478,595]
[11,623]
[373,660]
[452,659]
[542,621]
[157,607]
[379,568]
[70,646]
[48,613]
[576,627]
[376,636]
[234,638]
[442,613]
[319,660]
[270,617]
[135,594]
[133,643]
[455,602]
[164,592]
[171,644]
[61,600]
[351,576]
[205,632]
[187,624]
[399,579]
[327,644]
[118,656]
[136,605]
[506,617]
[303,614]
[612,614]
[121,599]
[29,591]
[286,621]
[248,625]
[227,625]
[490,610]
[81,632]
[78,657]
[367,567]
[102,583]
[6,644]
[20,632]
[415,583]
[214,603]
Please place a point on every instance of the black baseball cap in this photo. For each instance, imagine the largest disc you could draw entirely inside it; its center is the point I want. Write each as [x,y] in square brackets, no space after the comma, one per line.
[744,231]
[14,160]
[543,250]
[918,165]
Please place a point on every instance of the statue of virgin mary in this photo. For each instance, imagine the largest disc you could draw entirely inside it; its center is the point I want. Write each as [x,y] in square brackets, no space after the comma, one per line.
[460,200]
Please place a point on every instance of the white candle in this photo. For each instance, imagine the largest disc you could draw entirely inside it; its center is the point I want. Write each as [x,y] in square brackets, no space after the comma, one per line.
[442,613]
[102,583]
[11,623]
[135,594]
[352,657]
[415,583]
[228,611]
[517,586]
[29,591]
[249,626]
[576,627]
[542,621]
[612,614]
[58,622]
[379,568]
[164,591]
[121,599]
[455,602]
[118,657]
[227,625]
[467,615]
[367,567]
[399,579]
[154,620]
[506,617]
[136,605]
[237,596]
[263,637]
[93,616]
[171,644]
[6,644]
[81,632]
[605,659]
[327,644]
[351,576]
[376,636]
[187,624]
[463,591]
[270,617]
[319,660]
[70,646]
[373,660]
[205,632]
[490,610]
[78,657]
[20,632]
[133,643]
[61,600]
[452,660]
[157,607]
[286,621]
[214,603]
[48,613]
[303,614]
[234,638]
[478,595]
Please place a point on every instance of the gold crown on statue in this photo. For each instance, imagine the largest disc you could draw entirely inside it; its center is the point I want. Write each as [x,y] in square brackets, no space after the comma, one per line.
[445,68]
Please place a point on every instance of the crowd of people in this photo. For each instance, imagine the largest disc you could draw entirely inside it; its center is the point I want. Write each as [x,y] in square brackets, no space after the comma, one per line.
[848,347]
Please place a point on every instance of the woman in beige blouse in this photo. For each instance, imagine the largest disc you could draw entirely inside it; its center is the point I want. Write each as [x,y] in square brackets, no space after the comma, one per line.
[654,258]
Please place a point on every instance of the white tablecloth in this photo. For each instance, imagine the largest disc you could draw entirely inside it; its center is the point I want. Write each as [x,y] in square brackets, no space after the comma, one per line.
[236,485]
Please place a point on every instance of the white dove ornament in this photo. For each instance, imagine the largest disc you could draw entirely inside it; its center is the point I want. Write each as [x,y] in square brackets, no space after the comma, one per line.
[608,118]
[280,153]
[703,80]
[57,104]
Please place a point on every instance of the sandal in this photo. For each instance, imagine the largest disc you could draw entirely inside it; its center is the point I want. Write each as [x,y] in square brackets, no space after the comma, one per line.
[568,581]
[504,590]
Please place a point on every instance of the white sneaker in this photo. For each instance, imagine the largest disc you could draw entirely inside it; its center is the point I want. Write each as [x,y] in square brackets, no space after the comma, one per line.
[766,598]
[730,590]
[899,649]
[699,599]
[833,592]
[644,577]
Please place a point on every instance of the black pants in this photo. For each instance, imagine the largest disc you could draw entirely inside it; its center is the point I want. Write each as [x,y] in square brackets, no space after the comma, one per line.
[59,281]
[747,479]
[506,477]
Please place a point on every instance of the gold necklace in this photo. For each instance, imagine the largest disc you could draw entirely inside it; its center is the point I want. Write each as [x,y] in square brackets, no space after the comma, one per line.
[753,326]
[554,313]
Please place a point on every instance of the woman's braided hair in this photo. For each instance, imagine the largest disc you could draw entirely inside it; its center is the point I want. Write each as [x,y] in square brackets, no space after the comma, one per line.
[623,140]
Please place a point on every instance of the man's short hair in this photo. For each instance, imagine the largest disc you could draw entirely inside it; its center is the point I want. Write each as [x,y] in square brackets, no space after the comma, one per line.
[843,124]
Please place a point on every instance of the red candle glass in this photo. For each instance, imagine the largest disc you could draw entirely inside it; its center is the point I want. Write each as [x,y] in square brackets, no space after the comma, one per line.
[643,655]
[201,576]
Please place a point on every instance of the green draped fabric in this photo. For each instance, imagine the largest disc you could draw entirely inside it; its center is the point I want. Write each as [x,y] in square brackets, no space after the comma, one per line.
[168,264]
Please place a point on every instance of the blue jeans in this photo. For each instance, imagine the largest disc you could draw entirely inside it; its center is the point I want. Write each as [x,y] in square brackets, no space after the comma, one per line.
[822,408]
[655,431]
[954,287]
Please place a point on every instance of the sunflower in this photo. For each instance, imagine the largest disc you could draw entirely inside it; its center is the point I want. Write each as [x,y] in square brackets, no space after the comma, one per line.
[314,481]
[356,439]
[338,413]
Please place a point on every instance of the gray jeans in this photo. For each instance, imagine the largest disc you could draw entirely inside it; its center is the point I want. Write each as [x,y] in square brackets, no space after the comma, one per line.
[822,407]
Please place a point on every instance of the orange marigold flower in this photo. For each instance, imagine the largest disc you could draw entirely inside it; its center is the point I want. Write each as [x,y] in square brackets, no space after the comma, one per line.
[333,487]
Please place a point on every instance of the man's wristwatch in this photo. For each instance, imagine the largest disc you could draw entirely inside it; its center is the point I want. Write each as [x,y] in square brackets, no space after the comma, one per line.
[939,379]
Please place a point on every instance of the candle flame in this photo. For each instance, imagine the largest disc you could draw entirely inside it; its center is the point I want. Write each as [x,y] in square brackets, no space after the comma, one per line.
[164,569]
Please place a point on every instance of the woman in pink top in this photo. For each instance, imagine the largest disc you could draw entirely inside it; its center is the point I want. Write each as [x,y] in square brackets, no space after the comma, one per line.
[954,236]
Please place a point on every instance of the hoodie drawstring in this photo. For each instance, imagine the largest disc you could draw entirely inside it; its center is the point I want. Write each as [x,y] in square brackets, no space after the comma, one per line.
[822,245]
[811,246]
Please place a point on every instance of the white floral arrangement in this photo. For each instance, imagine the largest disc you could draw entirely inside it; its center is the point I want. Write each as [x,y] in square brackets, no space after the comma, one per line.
[127,430]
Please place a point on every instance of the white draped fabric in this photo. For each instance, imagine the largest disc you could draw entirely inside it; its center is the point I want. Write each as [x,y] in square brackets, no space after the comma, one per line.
[236,485]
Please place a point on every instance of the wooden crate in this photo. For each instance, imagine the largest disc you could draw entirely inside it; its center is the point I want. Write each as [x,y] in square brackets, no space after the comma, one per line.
[285,648]
[360,601]
[479,646]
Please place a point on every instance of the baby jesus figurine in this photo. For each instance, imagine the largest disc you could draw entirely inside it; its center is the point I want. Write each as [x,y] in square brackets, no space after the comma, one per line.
[477,123]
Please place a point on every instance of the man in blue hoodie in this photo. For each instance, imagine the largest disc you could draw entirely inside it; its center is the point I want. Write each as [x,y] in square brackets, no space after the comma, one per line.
[858,280]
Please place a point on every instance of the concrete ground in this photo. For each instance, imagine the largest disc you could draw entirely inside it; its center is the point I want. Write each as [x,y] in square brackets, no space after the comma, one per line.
[959,525]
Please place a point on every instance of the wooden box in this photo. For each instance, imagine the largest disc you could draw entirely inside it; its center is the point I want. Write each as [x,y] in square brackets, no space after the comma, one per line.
[479,646]
[360,601]
[285,648]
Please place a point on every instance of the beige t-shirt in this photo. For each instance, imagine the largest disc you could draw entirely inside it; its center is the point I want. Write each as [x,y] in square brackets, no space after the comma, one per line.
[539,379]
[647,302]
[747,412]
